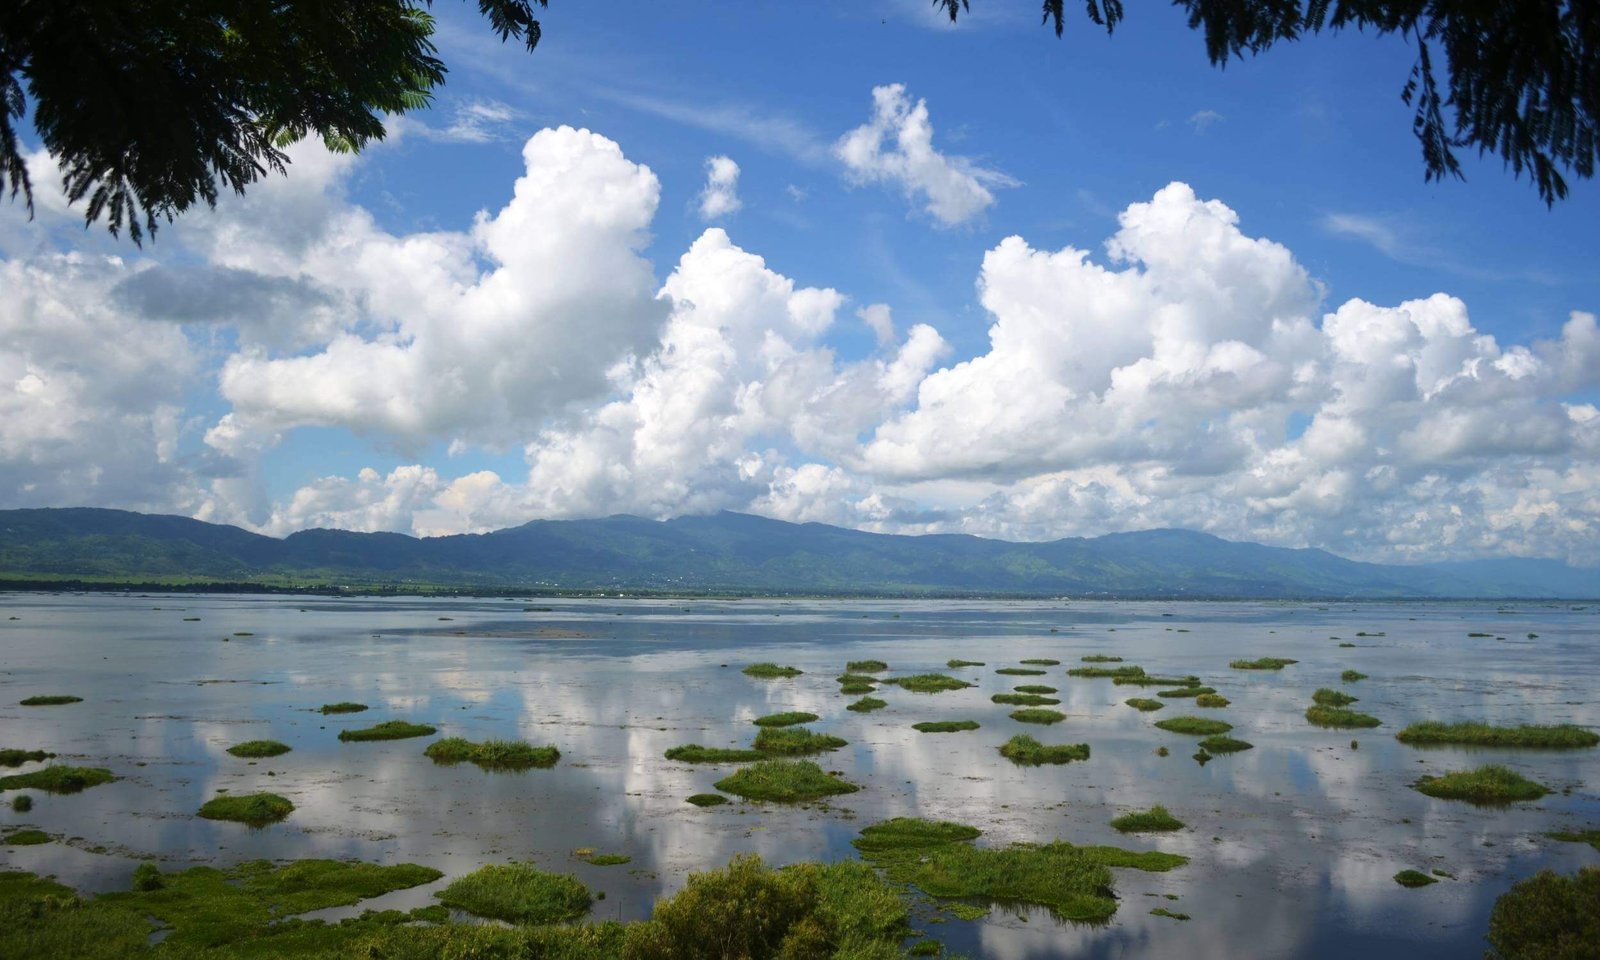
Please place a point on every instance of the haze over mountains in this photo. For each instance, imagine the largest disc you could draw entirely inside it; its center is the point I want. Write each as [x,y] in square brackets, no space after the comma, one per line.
[741,553]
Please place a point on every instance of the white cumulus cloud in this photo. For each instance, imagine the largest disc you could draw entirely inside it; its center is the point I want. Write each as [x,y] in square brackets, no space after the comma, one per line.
[720,197]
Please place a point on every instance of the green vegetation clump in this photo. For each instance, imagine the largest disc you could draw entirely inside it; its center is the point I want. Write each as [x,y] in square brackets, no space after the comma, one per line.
[771,671]
[1185,692]
[1025,751]
[694,753]
[945,726]
[912,833]
[1351,676]
[22,803]
[1154,820]
[1340,718]
[390,730]
[795,741]
[1100,658]
[58,778]
[607,859]
[51,700]
[256,809]
[784,781]
[16,758]
[1042,662]
[955,664]
[707,799]
[1164,912]
[1490,785]
[789,719]
[929,683]
[1262,663]
[343,707]
[1195,726]
[1413,878]
[1128,671]
[867,705]
[855,679]
[259,748]
[1037,715]
[26,838]
[1223,744]
[492,754]
[1020,672]
[1144,704]
[866,666]
[853,689]
[1333,698]
[1024,700]
[1485,735]
[1547,917]
[1215,700]
[1034,688]
[1146,680]
[517,893]
[1591,837]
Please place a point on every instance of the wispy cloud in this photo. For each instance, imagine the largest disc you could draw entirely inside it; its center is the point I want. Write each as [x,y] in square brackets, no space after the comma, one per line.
[1405,242]
[1203,120]
[473,121]
[774,133]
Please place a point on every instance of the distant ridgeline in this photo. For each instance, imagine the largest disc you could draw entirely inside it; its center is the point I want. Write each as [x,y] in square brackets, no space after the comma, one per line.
[724,553]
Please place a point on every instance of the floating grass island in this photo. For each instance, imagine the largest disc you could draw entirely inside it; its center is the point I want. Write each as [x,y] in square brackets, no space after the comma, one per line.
[492,754]
[518,893]
[16,758]
[1351,676]
[1037,715]
[255,809]
[1333,698]
[58,778]
[866,705]
[50,700]
[390,730]
[1147,680]
[945,726]
[694,753]
[784,781]
[911,833]
[771,671]
[1490,785]
[957,664]
[1100,658]
[855,679]
[1413,878]
[789,719]
[259,748]
[1024,700]
[1144,704]
[1262,663]
[795,741]
[1025,751]
[1224,744]
[866,666]
[1034,688]
[1020,672]
[26,838]
[706,799]
[1093,672]
[1591,837]
[928,683]
[1469,734]
[1185,692]
[1340,718]
[343,707]
[1154,820]
[1041,662]
[1213,700]
[1194,726]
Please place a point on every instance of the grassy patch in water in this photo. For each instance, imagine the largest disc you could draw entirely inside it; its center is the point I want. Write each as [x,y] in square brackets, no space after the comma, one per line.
[1127,671]
[1155,820]
[1340,718]
[518,893]
[788,719]
[1185,692]
[955,664]
[607,859]
[1034,688]
[1100,658]
[1144,704]
[928,683]
[50,700]
[1488,785]
[866,666]
[1025,751]
[58,778]
[1351,676]
[259,748]
[1194,726]
[911,833]
[1591,837]
[1547,917]
[771,671]
[1471,734]
[26,838]
[1224,744]
[1041,662]
[1333,698]
[1037,715]
[945,726]
[1020,672]
[1146,680]
[795,741]
[22,803]
[866,705]
[852,689]
[706,799]
[694,753]
[342,707]
[784,781]
[1164,912]
[855,679]
[1413,878]
[255,809]
[390,730]
[16,758]
[1213,700]
[1024,700]
[492,754]
[1262,663]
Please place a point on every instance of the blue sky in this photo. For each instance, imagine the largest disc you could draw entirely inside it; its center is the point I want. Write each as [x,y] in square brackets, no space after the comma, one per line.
[1275,429]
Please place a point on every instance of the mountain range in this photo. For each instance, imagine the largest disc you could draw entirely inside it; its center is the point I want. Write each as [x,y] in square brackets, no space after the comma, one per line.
[731,553]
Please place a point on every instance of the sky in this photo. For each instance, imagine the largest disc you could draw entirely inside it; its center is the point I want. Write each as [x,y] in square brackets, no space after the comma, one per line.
[840,262]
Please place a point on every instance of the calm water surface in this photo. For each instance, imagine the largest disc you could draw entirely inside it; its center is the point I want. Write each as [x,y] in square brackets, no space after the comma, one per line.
[1293,844]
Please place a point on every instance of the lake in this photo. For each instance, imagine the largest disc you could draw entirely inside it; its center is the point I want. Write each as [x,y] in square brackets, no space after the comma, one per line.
[1293,844]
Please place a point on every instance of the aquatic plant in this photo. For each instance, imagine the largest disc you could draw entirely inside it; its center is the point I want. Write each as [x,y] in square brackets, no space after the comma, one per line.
[795,741]
[1146,680]
[1024,700]
[771,671]
[1474,734]
[1034,688]
[853,679]
[1041,662]
[1020,672]
[1340,718]
[706,799]
[389,730]
[866,705]
[1490,785]
[787,719]
[852,689]
[517,893]
[1413,878]
[945,726]
[1195,726]
[866,666]
[16,758]
[928,683]
[1185,692]
[1262,663]
[50,700]
[911,833]
[1154,820]
[784,781]
[1351,676]
[342,707]
[1547,917]
[1037,715]
[58,778]
[1164,912]
[954,664]
[492,754]
[1211,700]
[25,838]
[256,809]
[694,753]
[1144,704]
[1025,751]
[259,748]
[1224,744]
[1100,658]
[1127,671]
[1333,698]
[607,859]
[22,803]
[1591,837]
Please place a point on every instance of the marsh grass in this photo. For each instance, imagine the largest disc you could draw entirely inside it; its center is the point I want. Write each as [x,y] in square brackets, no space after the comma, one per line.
[854,689]
[1164,912]
[390,730]
[492,754]
[795,741]
[50,700]
[1413,878]
[855,679]
[607,859]
[1020,672]
[1224,744]
[1194,726]
[956,664]
[866,666]
[259,748]
[22,803]
[1263,663]
[1333,698]
[1185,692]
[1100,658]
[1155,820]
[945,726]
[1591,837]
[928,683]
[912,833]
[1034,688]
[1490,785]
[1024,700]
[26,838]
[1472,734]
[706,799]
[16,758]
[771,671]
[1038,715]
[1340,718]
[342,707]
[1547,917]
[1351,676]
[784,781]
[695,753]
[1025,751]
[866,705]
[788,719]
[1145,680]
[1041,662]
[58,778]
[1094,672]
[518,893]
[1212,700]
[1144,704]
[255,809]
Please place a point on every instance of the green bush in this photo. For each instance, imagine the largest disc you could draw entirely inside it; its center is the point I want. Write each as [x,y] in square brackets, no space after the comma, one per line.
[1547,917]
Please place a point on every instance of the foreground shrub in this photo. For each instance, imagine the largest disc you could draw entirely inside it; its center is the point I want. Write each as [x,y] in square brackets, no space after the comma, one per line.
[1547,917]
